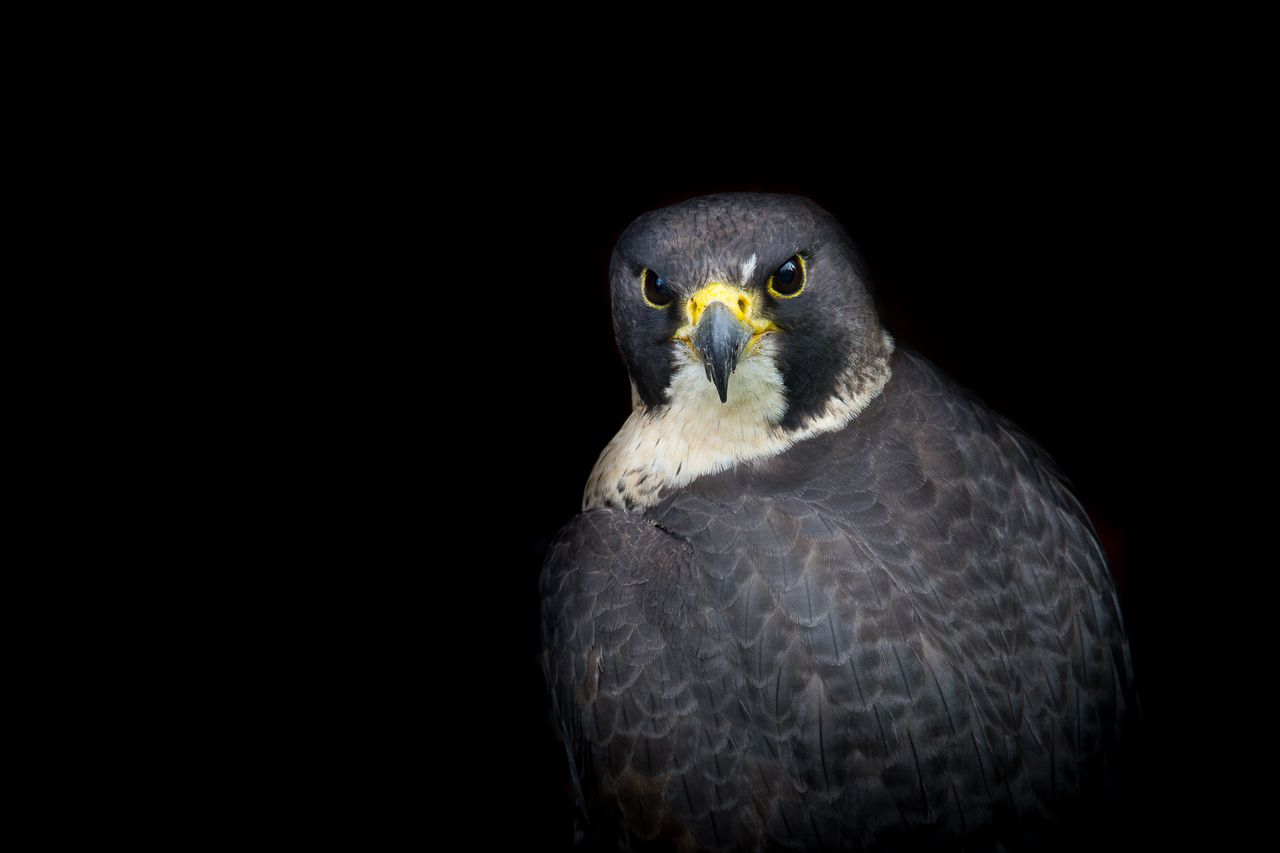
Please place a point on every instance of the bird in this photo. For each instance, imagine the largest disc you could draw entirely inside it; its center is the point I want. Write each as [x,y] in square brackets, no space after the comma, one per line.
[820,596]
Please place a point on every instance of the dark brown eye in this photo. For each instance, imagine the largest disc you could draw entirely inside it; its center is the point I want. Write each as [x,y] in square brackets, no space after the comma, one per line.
[656,290]
[788,280]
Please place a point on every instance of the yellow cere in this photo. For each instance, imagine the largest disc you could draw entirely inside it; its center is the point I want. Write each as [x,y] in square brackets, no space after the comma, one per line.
[736,300]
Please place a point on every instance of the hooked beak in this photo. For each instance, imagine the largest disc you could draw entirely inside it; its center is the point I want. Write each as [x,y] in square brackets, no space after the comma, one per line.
[719,340]
[722,331]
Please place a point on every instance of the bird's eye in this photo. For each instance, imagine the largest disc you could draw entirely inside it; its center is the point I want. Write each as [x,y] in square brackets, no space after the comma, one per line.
[655,289]
[788,280]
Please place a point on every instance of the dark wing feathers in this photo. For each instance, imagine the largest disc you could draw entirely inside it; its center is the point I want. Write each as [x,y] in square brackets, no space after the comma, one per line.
[902,632]
[646,695]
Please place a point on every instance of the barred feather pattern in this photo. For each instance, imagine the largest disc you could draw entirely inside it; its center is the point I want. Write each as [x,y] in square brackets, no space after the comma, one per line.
[903,634]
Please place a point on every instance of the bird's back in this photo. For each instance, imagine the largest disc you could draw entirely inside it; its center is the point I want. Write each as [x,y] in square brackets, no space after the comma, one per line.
[902,632]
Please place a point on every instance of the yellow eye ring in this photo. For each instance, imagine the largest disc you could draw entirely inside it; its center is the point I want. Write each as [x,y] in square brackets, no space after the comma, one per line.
[654,289]
[791,277]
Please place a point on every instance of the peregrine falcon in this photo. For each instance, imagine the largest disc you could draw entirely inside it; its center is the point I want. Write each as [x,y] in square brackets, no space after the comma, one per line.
[819,597]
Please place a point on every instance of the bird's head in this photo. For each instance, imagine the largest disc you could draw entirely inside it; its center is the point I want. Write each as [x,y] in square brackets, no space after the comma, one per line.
[746,326]
[744,299]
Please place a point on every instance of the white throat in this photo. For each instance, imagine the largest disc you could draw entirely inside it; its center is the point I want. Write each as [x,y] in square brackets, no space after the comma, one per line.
[665,447]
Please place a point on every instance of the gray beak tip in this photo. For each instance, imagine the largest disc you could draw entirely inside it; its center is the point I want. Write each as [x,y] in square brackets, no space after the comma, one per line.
[720,340]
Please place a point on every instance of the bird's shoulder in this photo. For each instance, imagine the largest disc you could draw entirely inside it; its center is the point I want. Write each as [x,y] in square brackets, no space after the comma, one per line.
[609,566]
